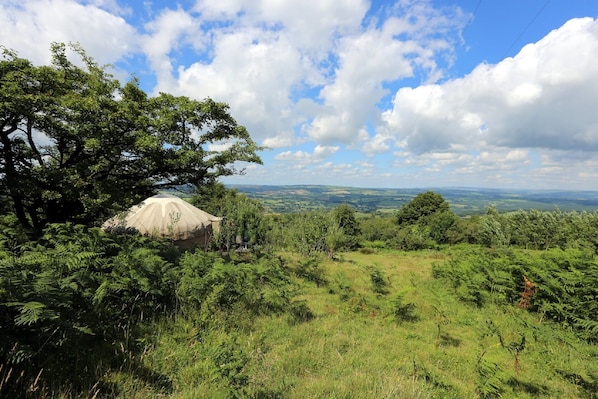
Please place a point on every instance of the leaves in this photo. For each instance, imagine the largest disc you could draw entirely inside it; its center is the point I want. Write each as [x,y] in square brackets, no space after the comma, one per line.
[74,289]
[32,312]
[422,206]
[564,283]
[76,146]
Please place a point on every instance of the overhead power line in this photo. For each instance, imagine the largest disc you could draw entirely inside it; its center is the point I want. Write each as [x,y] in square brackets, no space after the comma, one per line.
[525,29]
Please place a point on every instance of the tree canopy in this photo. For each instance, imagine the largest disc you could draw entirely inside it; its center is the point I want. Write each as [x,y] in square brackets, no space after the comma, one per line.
[76,146]
[422,206]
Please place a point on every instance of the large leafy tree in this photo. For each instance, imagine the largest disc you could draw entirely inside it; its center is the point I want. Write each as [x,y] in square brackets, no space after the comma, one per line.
[77,146]
[428,216]
[420,207]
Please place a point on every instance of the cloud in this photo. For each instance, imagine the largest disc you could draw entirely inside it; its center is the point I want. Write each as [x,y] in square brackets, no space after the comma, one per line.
[375,57]
[377,145]
[170,31]
[311,26]
[111,6]
[280,141]
[253,71]
[319,153]
[30,26]
[265,57]
[325,151]
[542,98]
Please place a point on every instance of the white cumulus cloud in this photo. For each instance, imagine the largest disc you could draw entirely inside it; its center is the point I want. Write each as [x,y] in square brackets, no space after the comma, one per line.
[541,98]
[30,26]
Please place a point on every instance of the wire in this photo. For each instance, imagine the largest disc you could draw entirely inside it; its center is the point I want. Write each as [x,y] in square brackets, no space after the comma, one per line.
[525,29]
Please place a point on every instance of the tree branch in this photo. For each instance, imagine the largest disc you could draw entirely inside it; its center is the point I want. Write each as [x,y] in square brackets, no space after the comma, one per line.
[38,155]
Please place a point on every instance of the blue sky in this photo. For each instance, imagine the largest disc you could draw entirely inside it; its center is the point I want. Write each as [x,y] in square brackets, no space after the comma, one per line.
[439,93]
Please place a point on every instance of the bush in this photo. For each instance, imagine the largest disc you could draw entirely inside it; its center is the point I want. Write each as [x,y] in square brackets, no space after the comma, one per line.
[379,281]
[565,283]
[214,290]
[74,297]
[402,311]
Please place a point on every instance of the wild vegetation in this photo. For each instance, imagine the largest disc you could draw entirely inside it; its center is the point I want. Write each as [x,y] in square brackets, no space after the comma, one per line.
[416,303]
[319,307]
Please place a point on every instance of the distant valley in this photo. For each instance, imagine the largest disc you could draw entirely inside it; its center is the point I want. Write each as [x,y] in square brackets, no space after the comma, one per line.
[464,201]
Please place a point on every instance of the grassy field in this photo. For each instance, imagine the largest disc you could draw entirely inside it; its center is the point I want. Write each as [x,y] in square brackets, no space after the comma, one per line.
[382,327]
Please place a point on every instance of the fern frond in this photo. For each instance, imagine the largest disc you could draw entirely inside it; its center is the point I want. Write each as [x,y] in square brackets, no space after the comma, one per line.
[32,312]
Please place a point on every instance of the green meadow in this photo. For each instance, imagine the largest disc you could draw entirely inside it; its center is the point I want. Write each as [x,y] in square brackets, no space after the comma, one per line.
[405,334]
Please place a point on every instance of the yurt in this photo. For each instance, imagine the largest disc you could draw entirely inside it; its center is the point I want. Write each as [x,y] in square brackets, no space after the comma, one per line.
[170,217]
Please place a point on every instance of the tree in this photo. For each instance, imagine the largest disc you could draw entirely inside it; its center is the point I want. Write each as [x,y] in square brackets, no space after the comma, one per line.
[213,197]
[427,217]
[76,146]
[310,232]
[423,205]
[242,217]
[344,216]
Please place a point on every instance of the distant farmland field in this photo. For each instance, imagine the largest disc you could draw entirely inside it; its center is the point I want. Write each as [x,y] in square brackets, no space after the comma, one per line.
[464,201]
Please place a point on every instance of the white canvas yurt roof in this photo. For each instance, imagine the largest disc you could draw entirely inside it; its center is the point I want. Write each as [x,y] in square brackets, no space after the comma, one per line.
[164,215]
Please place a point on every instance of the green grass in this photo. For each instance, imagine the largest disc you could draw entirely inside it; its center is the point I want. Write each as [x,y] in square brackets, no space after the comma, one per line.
[356,346]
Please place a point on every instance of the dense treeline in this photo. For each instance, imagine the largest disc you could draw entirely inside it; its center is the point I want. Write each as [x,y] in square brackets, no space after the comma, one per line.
[531,229]
[428,223]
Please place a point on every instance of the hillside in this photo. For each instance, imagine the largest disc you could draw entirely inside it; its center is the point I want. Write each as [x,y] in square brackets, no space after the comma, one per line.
[464,201]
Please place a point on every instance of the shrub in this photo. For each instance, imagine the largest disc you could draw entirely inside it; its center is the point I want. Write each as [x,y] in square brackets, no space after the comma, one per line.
[565,283]
[75,296]
[379,281]
[401,310]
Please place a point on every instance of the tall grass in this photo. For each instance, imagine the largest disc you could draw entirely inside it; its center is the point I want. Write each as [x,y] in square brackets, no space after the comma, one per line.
[356,347]
[355,343]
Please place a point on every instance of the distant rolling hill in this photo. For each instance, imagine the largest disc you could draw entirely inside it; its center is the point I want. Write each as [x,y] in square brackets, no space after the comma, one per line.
[464,201]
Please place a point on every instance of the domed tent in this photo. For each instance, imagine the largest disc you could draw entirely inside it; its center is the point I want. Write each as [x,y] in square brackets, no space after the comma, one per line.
[170,217]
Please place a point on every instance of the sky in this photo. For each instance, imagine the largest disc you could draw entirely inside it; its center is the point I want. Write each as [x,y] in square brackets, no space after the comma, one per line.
[380,93]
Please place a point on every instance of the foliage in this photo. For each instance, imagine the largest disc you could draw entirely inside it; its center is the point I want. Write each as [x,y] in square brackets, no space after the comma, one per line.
[426,220]
[242,222]
[76,146]
[377,228]
[311,270]
[214,288]
[316,232]
[380,284]
[536,229]
[422,206]
[401,310]
[69,297]
[308,233]
[344,216]
[83,314]
[413,238]
[564,283]
[211,197]
[74,303]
